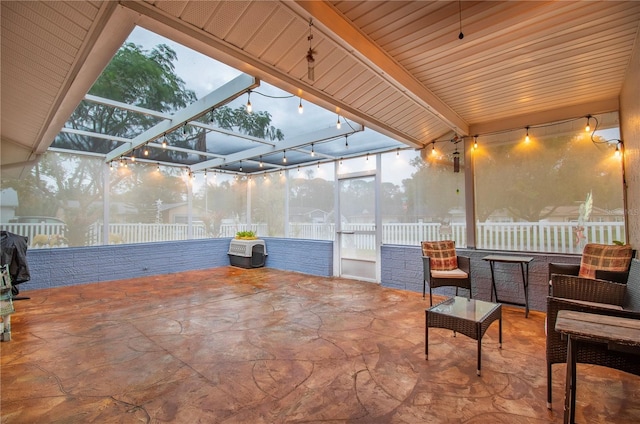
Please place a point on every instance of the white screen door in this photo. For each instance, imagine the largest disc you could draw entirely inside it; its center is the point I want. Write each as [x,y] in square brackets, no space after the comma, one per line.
[356,229]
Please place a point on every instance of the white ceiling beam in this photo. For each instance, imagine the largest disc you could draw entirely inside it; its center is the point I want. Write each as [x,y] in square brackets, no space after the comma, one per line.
[353,40]
[161,115]
[290,144]
[223,95]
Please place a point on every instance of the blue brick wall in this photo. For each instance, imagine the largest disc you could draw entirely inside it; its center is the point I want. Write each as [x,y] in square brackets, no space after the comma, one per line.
[313,257]
[402,269]
[79,265]
[70,266]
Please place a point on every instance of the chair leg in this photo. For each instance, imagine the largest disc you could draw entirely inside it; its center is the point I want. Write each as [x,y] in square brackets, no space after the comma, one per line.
[430,297]
[548,386]
[456,290]
[424,287]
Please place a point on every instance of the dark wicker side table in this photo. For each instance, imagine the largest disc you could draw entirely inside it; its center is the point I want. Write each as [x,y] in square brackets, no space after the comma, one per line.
[467,316]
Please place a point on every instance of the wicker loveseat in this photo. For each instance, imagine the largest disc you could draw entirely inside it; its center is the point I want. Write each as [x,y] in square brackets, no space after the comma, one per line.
[594,296]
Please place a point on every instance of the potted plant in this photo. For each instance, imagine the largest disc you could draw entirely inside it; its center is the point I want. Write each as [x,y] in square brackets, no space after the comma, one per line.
[246,235]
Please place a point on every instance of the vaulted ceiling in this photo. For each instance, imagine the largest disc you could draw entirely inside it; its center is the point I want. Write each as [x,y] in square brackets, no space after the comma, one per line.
[398,67]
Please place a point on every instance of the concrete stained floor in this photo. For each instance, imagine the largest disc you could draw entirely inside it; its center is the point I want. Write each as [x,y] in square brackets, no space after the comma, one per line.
[229,345]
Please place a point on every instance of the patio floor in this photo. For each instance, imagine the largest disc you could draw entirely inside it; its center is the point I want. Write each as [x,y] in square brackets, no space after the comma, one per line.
[229,345]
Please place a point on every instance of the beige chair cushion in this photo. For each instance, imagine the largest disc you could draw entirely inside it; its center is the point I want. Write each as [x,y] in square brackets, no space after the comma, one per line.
[453,273]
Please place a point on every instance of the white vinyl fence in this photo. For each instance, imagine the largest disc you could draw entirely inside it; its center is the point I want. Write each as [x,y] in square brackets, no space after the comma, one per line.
[555,237]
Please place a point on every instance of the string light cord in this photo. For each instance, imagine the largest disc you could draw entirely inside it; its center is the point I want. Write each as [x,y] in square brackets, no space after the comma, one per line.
[530,127]
[595,128]
[273,97]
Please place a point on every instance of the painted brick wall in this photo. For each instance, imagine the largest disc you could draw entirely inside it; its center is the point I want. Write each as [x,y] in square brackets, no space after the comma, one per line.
[402,269]
[313,257]
[70,266]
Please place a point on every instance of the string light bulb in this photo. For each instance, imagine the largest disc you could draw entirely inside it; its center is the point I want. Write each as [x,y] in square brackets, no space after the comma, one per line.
[184,129]
[133,155]
[618,152]
[433,148]
[146,150]
[261,164]
[313,153]
[284,156]
[300,108]
[526,138]
[346,141]
[587,128]
[338,123]
[475,142]
[158,167]
[164,141]
[249,107]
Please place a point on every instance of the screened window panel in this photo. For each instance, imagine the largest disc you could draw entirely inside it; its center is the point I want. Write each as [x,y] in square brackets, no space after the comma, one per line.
[422,196]
[555,193]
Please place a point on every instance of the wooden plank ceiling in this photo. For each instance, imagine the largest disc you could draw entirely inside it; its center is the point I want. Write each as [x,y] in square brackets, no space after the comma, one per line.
[398,67]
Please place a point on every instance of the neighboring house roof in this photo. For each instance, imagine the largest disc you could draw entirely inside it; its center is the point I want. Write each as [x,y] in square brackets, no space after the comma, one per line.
[8,198]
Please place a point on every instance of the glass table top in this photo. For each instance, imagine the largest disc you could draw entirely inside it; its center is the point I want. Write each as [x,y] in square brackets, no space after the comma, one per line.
[461,307]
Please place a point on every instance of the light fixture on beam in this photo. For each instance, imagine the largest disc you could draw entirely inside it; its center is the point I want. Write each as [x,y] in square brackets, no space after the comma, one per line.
[249,107]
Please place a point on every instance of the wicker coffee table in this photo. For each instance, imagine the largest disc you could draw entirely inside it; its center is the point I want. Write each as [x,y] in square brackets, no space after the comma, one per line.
[467,316]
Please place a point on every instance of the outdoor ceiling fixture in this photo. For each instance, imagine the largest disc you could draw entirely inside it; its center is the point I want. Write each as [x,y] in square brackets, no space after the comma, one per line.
[338,124]
[300,109]
[311,62]
[475,141]
[249,108]
[456,161]
[526,138]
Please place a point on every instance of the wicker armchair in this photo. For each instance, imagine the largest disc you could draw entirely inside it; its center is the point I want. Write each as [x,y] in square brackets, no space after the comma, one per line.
[594,296]
[601,274]
[460,278]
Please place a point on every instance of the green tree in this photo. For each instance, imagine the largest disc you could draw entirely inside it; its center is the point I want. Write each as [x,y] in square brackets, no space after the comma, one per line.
[137,77]
[433,190]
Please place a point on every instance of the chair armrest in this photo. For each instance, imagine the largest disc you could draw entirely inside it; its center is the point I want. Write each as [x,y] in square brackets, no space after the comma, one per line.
[464,263]
[566,269]
[587,289]
[615,276]
[555,304]
[426,266]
